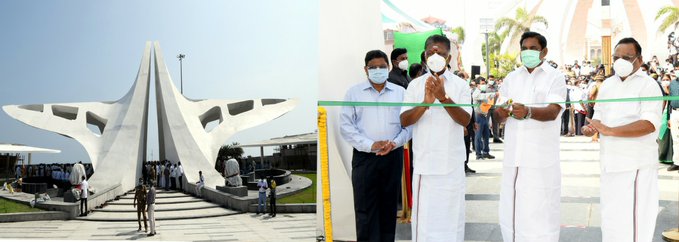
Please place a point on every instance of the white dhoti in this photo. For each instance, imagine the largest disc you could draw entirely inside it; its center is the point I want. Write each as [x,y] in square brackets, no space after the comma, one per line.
[530,204]
[629,205]
[438,207]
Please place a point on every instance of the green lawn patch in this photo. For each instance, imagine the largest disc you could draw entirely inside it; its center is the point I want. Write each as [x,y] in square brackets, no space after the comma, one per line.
[308,195]
[7,206]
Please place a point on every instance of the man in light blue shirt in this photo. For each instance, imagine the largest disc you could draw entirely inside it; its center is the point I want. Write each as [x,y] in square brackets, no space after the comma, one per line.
[261,202]
[377,136]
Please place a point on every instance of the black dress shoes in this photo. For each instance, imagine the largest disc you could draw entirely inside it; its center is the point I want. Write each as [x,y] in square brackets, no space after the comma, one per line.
[673,167]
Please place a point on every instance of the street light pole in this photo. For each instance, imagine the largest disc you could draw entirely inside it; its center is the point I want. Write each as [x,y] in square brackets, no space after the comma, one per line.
[487,57]
[181,78]
[486,25]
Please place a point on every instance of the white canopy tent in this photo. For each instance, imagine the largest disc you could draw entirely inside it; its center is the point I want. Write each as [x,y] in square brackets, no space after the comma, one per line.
[19,148]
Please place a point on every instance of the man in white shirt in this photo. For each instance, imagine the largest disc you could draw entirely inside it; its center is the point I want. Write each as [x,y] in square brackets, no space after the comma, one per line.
[200,183]
[18,172]
[261,201]
[158,172]
[151,207]
[439,154]
[84,186]
[180,176]
[629,152]
[580,110]
[531,177]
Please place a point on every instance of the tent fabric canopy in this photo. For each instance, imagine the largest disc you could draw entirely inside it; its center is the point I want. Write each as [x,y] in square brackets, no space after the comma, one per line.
[393,14]
[18,148]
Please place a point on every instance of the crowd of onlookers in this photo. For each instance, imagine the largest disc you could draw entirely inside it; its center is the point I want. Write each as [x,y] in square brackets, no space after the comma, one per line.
[53,174]
[163,174]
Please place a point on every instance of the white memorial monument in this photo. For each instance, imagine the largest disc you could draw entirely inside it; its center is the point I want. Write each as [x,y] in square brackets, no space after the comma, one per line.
[117,147]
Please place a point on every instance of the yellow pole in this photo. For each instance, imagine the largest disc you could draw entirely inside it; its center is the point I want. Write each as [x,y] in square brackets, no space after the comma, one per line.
[325,172]
[606,53]
[606,33]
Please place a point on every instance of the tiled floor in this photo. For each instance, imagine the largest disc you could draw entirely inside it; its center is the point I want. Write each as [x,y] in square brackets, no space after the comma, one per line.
[580,214]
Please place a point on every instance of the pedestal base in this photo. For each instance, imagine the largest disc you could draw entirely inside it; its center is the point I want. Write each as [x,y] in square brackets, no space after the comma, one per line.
[241,191]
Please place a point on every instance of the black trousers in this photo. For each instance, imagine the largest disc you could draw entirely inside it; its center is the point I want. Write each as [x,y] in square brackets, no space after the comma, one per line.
[467,145]
[590,112]
[83,203]
[579,122]
[181,183]
[495,125]
[272,204]
[141,212]
[376,182]
[565,119]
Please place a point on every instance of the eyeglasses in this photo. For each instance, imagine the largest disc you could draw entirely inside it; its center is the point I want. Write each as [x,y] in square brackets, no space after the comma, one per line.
[378,67]
[630,58]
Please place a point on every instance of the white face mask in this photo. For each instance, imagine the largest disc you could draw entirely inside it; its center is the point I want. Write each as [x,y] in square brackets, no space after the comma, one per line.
[403,65]
[623,68]
[665,83]
[436,63]
[483,87]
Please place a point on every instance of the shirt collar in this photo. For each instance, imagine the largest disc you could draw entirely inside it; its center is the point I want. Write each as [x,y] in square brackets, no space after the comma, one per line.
[367,85]
[446,74]
[544,67]
[638,73]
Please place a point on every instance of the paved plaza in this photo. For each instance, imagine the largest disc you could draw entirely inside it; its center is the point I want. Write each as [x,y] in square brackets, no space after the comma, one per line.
[579,210]
[240,227]
[580,213]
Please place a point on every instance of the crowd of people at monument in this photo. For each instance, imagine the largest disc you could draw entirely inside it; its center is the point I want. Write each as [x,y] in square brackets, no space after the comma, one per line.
[53,174]
[165,174]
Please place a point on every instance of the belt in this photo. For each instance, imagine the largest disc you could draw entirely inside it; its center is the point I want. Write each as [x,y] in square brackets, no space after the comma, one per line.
[237,173]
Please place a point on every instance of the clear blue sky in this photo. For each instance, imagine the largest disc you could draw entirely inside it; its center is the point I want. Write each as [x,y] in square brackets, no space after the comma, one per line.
[79,51]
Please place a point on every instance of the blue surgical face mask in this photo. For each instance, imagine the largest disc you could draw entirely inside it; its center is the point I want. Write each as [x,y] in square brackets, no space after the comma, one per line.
[378,75]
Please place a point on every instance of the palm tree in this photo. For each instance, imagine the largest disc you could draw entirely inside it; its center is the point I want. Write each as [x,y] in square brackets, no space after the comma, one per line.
[519,24]
[230,151]
[671,17]
[460,33]
[495,42]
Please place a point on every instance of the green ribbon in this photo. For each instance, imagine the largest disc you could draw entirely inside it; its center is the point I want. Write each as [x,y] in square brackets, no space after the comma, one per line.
[401,104]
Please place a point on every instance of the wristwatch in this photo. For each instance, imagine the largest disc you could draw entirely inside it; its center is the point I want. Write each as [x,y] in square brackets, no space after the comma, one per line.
[530,113]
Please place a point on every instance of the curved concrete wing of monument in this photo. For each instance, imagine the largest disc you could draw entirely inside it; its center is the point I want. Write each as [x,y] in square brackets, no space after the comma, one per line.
[117,145]
[181,124]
